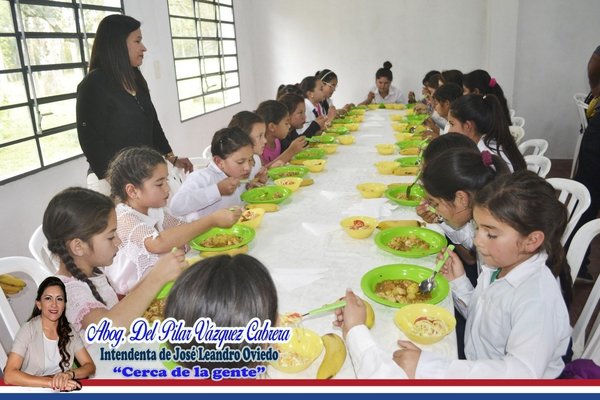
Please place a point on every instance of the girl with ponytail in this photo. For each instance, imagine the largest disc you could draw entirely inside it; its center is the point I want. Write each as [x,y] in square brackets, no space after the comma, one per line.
[480,82]
[80,225]
[481,118]
[45,347]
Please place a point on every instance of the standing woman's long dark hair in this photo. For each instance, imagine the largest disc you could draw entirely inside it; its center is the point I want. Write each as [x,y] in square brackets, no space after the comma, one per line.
[110,54]
[63,329]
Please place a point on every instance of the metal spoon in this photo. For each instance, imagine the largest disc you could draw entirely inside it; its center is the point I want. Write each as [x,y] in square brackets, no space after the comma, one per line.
[429,284]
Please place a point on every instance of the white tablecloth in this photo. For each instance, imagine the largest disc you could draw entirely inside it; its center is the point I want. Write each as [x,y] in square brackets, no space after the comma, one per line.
[312,260]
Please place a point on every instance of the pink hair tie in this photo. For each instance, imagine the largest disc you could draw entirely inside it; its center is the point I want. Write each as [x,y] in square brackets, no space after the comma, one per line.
[486,156]
[492,82]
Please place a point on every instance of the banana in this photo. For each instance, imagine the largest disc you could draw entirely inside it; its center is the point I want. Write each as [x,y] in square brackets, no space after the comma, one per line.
[268,207]
[232,252]
[10,289]
[410,151]
[12,280]
[370,321]
[307,182]
[406,171]
[401,222]
[335,355]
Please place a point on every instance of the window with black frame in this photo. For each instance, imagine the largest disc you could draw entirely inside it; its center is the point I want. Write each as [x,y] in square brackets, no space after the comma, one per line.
[44,54]
[205,53]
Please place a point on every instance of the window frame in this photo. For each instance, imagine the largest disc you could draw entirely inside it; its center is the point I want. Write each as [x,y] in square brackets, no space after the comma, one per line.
[200,57]
[27,70]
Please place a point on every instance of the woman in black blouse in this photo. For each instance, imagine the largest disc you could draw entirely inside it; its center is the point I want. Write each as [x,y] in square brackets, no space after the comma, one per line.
[114,108]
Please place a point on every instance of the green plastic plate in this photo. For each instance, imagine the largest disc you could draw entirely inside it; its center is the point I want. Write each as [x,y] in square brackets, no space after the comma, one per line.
[338,130]
[266,194]
[413,273]
[435,241]
[321,139]
[342,121]
[287,171]
[310,154]
[417,193]
[405,144]
[243,231]
[408,161]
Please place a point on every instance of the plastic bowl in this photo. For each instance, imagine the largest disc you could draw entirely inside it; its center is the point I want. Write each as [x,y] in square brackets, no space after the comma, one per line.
[329,148]
[266,194]
[253,217]
[371,190]
[406,318]
[397,194]
[385,148]
[292,183]
[386,167]
[359,227]
[287,171]
[337,130]
[346,139]
[244,232]
[352,127]
[321,139]
[310,154]
[303,348]
[315,165]
[400,126]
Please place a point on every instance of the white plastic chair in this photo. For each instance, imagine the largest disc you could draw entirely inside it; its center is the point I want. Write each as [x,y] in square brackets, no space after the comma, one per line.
[512,112]
[517,133]
[518,121]
[581,241]
[539,164]
[538,147]
[206,152]
[576,197]
[175,178]
[12,265]
[199,162]
[38,247]
[579,99]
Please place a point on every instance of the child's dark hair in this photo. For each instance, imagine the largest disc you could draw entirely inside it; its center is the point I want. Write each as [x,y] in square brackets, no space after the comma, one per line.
[308,84]
[434,81]
[290,88]
[76,213]
[451,140]
[131,165]
[229,290]
[229,140]
[272,111]
[429,75]
[385,72]
[448,92]
[291,101]
[480,82]
[487,115]
[63,329]
[528,203]
[326,75]
[245,120]
[460,169]
[452,76]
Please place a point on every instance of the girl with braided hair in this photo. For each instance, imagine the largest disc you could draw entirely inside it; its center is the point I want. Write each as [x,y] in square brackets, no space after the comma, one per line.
[80,226]
[44,349]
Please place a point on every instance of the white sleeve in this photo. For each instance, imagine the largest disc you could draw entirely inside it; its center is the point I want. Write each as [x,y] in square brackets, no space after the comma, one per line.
[462,236]
[196,193]
[369,360]
[462,291]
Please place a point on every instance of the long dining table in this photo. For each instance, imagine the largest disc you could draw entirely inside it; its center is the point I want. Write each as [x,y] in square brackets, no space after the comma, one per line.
[313,260]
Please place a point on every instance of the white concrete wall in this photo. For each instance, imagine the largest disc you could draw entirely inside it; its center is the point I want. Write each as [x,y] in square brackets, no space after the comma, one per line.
[537,49]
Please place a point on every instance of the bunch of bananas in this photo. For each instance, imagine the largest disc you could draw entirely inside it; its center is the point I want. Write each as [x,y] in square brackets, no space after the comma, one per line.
[11,285]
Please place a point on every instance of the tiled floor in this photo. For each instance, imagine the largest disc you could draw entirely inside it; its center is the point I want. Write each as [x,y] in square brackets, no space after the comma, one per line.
[581,290]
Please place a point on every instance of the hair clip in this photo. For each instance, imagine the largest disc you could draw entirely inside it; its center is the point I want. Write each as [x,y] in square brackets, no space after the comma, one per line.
[492,82]
[486,156]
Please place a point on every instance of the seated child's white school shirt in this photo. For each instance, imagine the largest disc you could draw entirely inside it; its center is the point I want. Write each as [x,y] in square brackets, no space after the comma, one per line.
[311,115]
[517,328]
[463,236]
[199,195]
[395,95]
[133,260]
[492,149]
